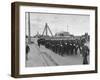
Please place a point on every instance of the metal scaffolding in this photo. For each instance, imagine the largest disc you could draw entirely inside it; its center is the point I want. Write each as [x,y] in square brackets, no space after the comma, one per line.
[46,30]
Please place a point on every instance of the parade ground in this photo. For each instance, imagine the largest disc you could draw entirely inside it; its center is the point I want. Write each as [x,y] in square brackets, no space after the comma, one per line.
[41,56]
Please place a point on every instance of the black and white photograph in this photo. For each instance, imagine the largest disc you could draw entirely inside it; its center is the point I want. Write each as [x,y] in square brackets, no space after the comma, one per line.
[52,39]
[55,39]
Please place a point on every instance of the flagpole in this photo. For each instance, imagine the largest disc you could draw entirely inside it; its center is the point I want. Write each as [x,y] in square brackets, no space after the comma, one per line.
[29,32]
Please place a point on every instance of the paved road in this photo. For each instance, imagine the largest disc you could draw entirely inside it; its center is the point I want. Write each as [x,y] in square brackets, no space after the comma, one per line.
[45,57]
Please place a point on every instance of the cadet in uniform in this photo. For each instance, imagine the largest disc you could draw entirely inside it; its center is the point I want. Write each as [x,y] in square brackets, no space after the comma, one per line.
[85,53]
[27,51]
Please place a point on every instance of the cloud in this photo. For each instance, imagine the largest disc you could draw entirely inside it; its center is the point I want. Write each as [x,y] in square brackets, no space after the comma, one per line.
[78,24]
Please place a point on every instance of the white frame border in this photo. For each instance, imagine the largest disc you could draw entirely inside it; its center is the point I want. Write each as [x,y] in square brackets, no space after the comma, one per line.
[71,68]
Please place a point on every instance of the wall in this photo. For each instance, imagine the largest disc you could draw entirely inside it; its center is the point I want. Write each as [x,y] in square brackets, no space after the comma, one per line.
[5,41]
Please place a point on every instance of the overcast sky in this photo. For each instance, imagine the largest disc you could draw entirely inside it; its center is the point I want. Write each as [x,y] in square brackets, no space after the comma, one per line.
[77,24]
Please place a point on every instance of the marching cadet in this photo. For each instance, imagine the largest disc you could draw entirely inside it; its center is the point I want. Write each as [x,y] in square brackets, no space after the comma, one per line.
[72,48]
[61,48]
[85,53]
[56,47]
[68,48]
[39,41]
[64,47]
[76,48]
[27,51]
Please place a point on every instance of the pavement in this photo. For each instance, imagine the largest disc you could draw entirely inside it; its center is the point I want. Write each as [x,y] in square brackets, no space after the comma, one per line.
[44,57]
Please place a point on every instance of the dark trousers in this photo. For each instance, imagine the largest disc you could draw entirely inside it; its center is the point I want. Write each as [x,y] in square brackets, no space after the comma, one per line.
[85,61]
